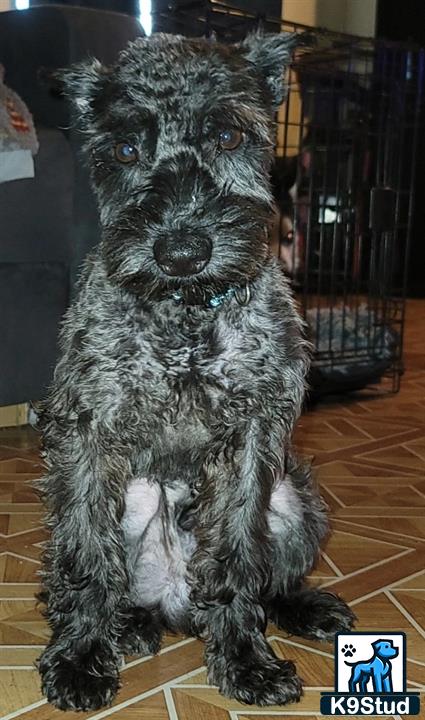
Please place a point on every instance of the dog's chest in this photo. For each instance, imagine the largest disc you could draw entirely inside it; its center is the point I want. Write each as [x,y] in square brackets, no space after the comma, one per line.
[191,376]
[196,365]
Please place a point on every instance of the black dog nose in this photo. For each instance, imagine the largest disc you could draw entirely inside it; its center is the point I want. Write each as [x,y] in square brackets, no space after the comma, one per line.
[181,256]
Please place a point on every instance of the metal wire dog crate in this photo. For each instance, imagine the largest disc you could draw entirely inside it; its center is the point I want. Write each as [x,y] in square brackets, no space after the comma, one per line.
[344,187]
[344,182]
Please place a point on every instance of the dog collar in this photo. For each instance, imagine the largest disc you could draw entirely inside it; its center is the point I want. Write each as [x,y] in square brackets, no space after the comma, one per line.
[242,295]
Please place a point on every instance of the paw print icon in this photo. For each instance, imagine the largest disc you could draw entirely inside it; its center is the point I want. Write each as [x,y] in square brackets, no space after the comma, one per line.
[348,650]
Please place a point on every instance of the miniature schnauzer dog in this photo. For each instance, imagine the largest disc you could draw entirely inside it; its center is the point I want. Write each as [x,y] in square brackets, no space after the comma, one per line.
[174,498]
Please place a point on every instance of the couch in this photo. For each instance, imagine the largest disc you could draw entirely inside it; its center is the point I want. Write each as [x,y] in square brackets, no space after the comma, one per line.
[48,223]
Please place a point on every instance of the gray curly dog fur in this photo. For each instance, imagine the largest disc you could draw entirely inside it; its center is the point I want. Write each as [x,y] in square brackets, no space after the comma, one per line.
[174,498]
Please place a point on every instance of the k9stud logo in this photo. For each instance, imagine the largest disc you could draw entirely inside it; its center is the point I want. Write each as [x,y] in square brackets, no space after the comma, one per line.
[370,663]
[370,676]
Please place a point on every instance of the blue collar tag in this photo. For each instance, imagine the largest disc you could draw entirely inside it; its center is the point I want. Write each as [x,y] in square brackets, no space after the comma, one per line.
[214,301]
[242,295]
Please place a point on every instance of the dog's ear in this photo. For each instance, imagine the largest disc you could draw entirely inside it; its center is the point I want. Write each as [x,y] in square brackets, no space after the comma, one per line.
[271,55]
[82,82]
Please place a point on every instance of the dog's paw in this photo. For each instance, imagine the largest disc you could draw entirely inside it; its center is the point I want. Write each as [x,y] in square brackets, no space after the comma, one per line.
[329,615]
[79,681]
[257,682]
[142,633]
[313,613]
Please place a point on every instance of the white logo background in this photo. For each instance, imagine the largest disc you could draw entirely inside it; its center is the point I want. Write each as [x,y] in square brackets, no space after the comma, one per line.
[362,643]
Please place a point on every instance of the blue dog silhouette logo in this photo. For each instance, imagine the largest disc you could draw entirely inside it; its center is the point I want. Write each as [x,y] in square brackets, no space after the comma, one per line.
[370,676]
[377,668]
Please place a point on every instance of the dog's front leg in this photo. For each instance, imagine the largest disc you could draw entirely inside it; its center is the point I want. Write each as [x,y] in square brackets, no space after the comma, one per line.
[85,578]
[231,570]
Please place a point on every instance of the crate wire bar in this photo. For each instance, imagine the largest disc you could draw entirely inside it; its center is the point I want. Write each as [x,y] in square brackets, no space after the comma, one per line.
[344,186]
[357,123]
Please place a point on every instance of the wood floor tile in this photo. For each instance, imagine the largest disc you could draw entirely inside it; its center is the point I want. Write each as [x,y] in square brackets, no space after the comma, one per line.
[371,579]
[370,459]
[19,465]
[414,603]
[380,612]
[415,583]
[316,668]
[273,717]
[351,552]
[152,708]
[192,705]
[16,568]
[23,656]
[18,688]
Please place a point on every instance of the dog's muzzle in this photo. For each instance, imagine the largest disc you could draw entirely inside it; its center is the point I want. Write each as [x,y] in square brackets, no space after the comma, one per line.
[179,254]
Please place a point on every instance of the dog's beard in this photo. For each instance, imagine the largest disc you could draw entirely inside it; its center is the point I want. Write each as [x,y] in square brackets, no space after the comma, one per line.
[240,249]
[190,291]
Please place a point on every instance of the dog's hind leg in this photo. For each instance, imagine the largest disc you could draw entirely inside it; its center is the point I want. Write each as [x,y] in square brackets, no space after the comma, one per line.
[141,634]
[298,523]
[311,613]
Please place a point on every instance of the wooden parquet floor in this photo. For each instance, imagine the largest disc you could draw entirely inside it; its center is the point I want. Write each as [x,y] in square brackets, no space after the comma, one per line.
[370,458]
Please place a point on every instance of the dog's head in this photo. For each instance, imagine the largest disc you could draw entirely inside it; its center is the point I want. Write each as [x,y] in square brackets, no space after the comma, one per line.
[179,135]
[385,649]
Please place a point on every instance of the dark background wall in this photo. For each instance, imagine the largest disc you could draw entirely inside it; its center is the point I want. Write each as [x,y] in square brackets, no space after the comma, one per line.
[129,7]
[189,17]
[266,7]
[404,22]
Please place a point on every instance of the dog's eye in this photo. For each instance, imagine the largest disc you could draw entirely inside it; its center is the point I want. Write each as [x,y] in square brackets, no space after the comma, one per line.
[125,153]
[230,139]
